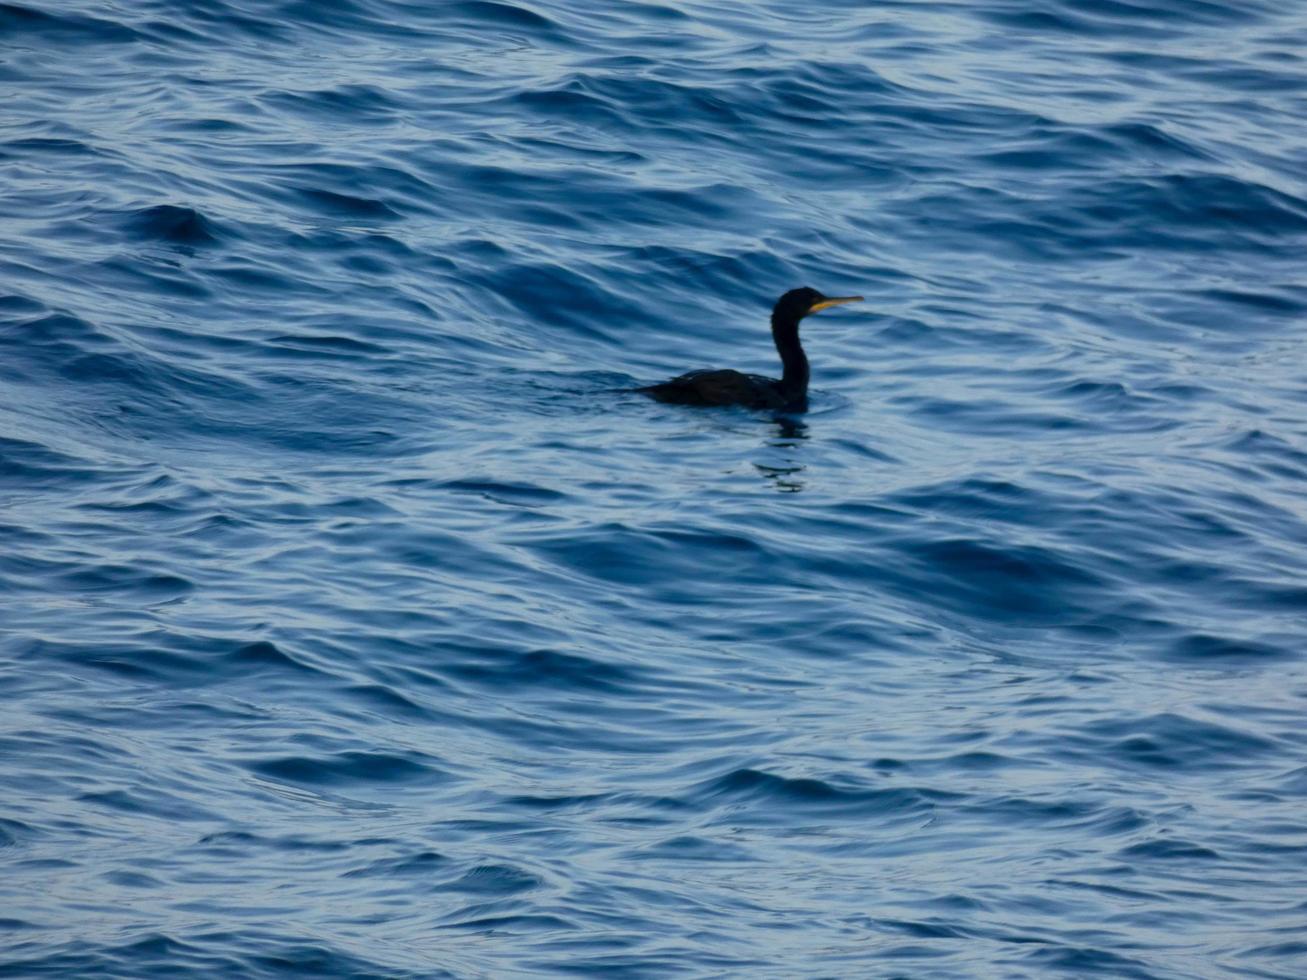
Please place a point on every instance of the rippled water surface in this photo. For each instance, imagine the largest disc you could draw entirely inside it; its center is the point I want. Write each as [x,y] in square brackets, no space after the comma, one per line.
[355,622]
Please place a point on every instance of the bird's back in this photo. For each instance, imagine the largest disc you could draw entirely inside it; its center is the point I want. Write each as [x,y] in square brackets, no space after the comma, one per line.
[719,388]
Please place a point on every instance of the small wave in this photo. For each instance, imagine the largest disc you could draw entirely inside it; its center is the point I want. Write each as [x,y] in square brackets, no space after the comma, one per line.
[520,494]
[766,789]
[991,582]
[17,20]
[1085,961]
[1170,741]
[361,104]
[349,768]
[1169,849]
[345,347]
[1086,815]
[123,581]
[545,668]
[1218,651]
[345,205]
[421,864]
[495,880]
[150,801]
[39,146]
[256,954]
[263,655]
[173,223]
[12,832]
[514,925]
[489,13]
[33,466]
[234,842]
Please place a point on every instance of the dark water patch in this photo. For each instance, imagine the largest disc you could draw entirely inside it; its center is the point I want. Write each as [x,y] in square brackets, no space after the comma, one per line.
[263,655]
[1261,302]
[508,493]
[639,557]
[1169,850]
[55,328]
[1001,583]
[552,803]
[348,19]
[227,24]
[1101,219]
[360,104]
[558,297]
[763,791]
[347,348]
[1289,949]
[1086,961]
[1264,83]
[69,28]
[694,848]
[102,366]
[1107,18]
[41,147]
[346,768]
[546,668]
[995,418]
[149,802]
[168,34]
[31,467]
[492,14]
[20,304]
[123,581]
[1155,142]
[172,223]
[234,842]
[1171,742]
[1218,651]
[129,661]
[993,500]
[154,277]
[421,864]
[107,369]
[387,700]
[132,880]
[1205,201]
[513,925]
[171,659]
[1062,150]
[495,880]
[1294,782]
[13,832]
[1088,816]
[345,205]
[646,99]
[254,954]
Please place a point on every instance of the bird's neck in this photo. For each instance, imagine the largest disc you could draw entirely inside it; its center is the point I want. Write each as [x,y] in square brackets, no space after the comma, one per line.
[785,332]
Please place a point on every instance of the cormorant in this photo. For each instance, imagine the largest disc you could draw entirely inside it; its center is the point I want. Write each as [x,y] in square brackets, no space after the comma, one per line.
[789,394]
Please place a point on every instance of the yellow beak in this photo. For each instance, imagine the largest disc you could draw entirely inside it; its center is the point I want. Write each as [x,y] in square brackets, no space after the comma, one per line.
[834,301]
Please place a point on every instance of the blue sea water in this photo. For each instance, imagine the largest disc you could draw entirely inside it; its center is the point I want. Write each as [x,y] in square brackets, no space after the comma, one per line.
[355,623]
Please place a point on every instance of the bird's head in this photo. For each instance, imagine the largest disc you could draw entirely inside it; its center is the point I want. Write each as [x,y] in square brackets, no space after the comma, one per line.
[798,303]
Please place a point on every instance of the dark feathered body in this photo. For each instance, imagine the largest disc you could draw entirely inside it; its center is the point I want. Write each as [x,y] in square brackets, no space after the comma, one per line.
[789,393]
[726,387]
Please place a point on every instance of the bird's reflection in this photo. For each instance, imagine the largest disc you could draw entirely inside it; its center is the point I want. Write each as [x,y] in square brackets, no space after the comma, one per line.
[790,430]
[788,438]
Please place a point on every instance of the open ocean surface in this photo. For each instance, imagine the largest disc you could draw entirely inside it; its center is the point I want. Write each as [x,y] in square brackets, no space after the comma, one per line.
[354,623]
